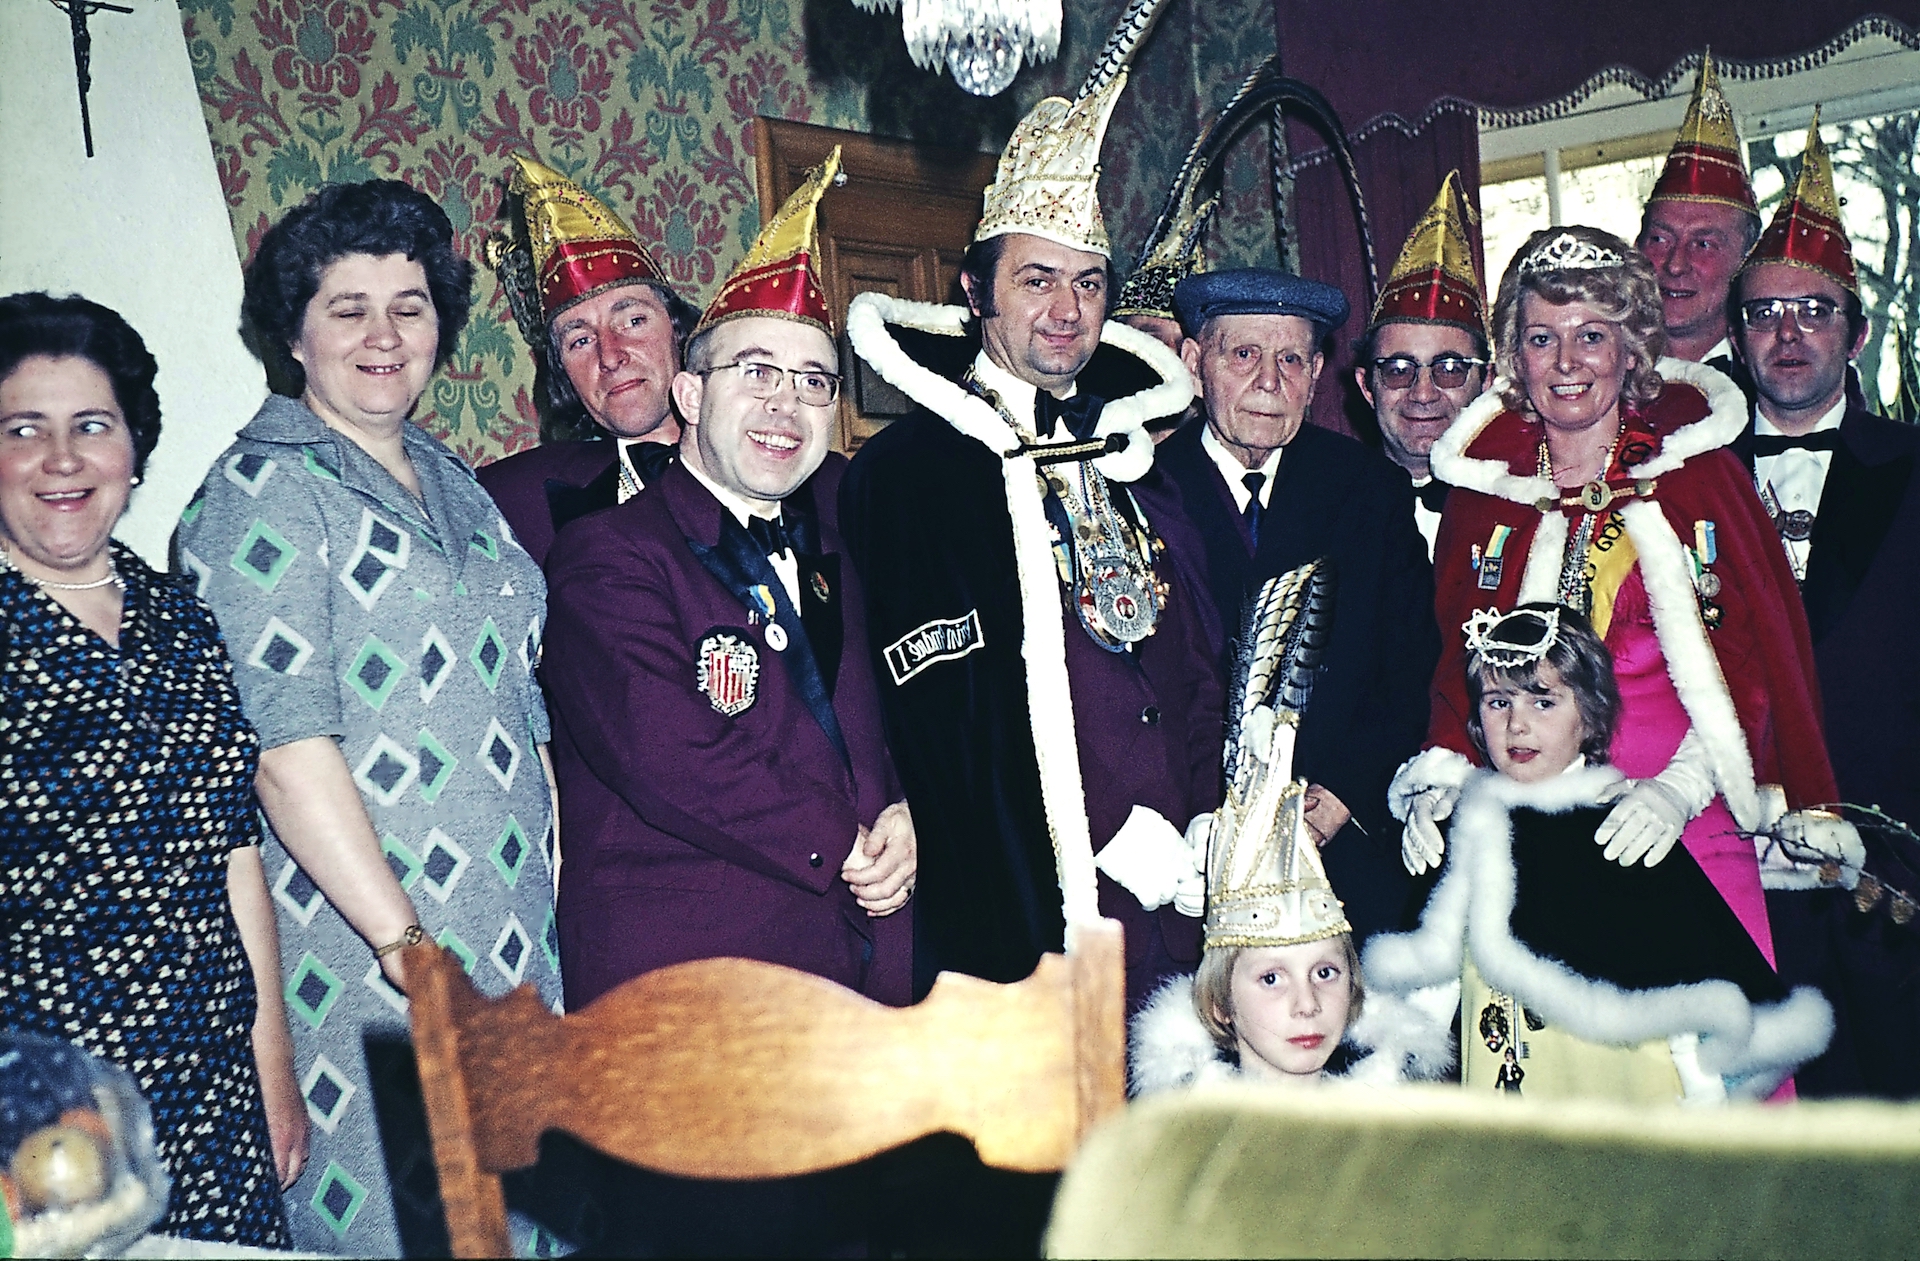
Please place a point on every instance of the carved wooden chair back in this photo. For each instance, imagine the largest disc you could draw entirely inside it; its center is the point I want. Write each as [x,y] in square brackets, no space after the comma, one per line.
[734,1069]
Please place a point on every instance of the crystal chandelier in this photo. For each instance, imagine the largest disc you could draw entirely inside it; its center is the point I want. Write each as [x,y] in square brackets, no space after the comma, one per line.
[982,42]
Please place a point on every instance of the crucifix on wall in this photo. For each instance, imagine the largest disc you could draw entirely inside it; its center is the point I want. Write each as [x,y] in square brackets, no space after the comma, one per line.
[78,11]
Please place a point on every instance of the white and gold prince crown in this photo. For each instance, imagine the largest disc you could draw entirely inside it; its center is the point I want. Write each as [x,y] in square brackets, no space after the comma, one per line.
[1563,251]
[1047,183]
[1511,639]
[1266,885]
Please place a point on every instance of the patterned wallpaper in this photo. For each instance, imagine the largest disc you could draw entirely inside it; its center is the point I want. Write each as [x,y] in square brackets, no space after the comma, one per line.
[647,103]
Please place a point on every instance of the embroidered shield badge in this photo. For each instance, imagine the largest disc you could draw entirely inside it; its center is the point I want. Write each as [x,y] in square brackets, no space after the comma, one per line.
[727,669]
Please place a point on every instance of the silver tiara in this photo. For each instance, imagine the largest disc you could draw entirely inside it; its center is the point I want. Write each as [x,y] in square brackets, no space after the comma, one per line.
[1563,251]
[1512,639]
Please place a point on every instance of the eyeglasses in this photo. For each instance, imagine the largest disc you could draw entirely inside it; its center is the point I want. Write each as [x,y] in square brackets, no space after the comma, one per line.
[1450,372]
[1763,315]
[762,380]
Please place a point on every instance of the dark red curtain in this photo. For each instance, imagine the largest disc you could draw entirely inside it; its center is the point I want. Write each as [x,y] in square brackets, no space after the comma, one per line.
[1406,79]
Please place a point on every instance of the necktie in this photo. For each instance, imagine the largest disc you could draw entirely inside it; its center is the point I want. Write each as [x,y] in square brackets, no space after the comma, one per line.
[1253,482]
[770,534]
[1432,496]
[1765,444]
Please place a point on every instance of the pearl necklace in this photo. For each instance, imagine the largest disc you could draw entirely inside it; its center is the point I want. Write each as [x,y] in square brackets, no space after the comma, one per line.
[48,584]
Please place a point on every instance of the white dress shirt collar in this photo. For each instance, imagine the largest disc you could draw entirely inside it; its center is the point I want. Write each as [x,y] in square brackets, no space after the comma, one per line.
[1234,473]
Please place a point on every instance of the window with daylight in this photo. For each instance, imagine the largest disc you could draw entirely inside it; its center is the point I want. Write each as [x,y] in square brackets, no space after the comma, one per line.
[1596,160]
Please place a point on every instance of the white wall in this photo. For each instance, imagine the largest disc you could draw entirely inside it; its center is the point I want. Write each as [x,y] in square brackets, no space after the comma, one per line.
[141,227]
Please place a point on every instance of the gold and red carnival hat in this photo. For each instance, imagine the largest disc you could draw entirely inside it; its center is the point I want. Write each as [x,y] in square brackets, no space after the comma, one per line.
[579,247]
[777,276]
[1806,230]
[1435,280]
[1706,163]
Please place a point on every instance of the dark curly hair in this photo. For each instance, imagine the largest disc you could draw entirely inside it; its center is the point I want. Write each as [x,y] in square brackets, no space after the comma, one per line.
[379,217]
[564,416]
[72,327]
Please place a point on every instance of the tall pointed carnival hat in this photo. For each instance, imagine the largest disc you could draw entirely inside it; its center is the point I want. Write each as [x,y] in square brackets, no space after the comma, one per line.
[562,247]
[1179,254]
[1048,180]
[1436,280]
[1266,885]
[1806,229]
[777,277]
[1707,162]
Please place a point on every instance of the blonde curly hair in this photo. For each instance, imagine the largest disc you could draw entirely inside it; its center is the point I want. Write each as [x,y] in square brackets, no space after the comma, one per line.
[1627,295]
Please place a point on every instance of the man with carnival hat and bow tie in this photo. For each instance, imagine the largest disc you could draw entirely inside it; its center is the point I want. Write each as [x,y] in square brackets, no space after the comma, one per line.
[717,734]
[1424,355]
[1268,492]
[1700,221]
[606,331]
[1843,488]
[1052,702]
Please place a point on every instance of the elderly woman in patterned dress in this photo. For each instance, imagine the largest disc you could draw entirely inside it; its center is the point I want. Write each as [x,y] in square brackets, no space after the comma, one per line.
[385,627]
[134,920]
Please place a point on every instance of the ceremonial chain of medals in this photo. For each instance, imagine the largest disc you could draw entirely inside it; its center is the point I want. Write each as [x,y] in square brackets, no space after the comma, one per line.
[1595,498]
[1107,562]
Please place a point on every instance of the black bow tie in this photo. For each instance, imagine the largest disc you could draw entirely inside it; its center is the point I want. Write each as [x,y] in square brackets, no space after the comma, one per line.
[770,534]
[1076,412]
[649,459]
[1433,495]
[1765,444]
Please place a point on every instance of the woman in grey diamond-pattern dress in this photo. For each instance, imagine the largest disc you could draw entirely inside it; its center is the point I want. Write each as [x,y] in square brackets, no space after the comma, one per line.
[384,626]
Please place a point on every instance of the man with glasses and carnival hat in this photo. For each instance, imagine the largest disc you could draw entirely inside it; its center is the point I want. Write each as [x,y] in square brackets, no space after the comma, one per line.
[1843,488]
[1699,222]
[1424,356]
[716,731]
[1052,702]
[1268,492]
[606,331]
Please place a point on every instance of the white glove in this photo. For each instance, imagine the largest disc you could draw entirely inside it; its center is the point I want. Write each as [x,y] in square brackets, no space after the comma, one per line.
[1798,845]
[1421,845]
[1422,793]
[1191,898]
[1149,858]
[1650,816]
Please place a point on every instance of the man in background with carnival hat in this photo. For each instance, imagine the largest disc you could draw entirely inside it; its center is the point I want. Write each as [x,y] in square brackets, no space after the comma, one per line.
[1049,691]
[1843,487]
[1699,223]
[1424,355]
[606,332]
[1267,493]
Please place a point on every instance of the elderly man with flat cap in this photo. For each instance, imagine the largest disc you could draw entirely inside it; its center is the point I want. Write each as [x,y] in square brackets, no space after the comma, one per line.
[1267,493]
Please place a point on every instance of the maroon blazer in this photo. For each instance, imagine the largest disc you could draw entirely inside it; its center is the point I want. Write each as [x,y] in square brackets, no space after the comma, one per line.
[711,785]
[541,490]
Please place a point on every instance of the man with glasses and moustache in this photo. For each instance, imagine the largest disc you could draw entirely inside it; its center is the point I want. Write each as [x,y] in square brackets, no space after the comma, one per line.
[1424,356]
[1268,493]
[1843,487]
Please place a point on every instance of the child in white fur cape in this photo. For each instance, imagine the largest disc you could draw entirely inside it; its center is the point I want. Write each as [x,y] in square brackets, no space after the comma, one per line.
[1576,975]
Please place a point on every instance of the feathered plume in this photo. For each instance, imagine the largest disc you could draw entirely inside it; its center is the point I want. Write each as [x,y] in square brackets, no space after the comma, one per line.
[1121,45]
[1281,644]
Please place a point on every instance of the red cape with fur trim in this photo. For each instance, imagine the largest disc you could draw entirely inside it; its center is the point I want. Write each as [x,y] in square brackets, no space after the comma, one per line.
[1764,652]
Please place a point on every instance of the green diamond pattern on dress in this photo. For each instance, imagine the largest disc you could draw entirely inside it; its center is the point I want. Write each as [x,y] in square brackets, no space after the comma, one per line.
[509,853]
[327,1091]
[191,512]
[312,990]
[249,471]
[499,754]
[436,765]
[263,556]
[512,950]
[550,940]
[311,459]
[483,543]
[379,554]
[338,1198]
[489,654]
[375,672]
[281,649]
[450,940]
[403,862]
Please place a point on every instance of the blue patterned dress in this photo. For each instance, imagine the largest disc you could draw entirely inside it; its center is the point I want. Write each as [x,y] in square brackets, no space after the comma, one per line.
[126,781]
[407,630]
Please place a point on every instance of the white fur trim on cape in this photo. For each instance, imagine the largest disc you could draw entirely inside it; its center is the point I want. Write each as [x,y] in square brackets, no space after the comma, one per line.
[1044,649]
[1430,768]
[1691,662]
[1755,1048]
